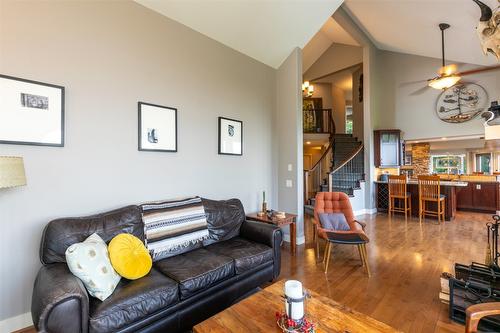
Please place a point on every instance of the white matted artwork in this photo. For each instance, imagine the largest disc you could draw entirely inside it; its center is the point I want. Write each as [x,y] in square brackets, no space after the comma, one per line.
[31,112]
[230,136]
[157,128]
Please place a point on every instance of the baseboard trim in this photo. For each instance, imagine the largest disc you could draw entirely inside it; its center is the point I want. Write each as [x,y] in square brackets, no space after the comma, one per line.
[16,323]
[299,240]
[365,211]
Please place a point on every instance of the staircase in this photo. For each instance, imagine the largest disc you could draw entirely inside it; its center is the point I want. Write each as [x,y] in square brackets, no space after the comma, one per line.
[346,172]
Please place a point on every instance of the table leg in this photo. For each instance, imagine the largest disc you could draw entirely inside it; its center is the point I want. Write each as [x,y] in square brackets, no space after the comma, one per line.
[293,237]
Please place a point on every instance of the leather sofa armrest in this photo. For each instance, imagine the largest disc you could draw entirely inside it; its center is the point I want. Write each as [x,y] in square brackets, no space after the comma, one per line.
[60,302]
[267,234]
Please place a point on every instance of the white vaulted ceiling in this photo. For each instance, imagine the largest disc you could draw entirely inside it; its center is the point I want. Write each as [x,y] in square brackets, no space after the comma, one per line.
[266,30]
[411,26]
[331,32]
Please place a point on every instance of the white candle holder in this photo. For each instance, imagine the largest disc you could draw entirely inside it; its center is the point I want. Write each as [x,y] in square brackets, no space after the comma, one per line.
[296,305]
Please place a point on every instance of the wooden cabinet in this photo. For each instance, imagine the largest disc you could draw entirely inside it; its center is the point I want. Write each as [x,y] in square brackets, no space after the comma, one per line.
[388,148]
[479,196]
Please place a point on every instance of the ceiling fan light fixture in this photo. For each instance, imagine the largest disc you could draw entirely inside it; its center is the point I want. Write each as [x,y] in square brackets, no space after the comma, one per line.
[444,82]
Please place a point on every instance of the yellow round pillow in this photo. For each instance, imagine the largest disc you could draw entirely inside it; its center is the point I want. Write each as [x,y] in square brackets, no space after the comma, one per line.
[129,257]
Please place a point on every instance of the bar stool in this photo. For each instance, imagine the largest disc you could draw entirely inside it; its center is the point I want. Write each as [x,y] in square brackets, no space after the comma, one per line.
[398,190]
[429,190]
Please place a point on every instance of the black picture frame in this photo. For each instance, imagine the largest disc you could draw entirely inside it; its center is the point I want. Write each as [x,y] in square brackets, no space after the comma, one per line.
[220,149]
[140,145]
[62,116]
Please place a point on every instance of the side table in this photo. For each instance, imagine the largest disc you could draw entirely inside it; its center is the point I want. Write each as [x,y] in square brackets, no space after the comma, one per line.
[290,220]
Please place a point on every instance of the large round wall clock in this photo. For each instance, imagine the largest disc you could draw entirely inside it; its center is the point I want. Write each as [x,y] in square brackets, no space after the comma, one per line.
[461,103]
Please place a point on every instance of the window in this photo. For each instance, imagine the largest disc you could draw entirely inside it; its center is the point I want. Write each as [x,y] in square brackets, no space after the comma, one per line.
[448,164]
[389,149]
[483,163]
[348,119]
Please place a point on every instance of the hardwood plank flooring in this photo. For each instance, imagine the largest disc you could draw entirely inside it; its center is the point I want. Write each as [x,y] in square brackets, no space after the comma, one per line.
[406,259]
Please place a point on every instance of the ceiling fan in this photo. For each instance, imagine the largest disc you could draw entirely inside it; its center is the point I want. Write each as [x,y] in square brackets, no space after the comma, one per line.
[448,74]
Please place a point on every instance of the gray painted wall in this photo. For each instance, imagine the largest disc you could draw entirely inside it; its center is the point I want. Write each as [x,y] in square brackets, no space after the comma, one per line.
[109,55]
[371,92]
[289,145]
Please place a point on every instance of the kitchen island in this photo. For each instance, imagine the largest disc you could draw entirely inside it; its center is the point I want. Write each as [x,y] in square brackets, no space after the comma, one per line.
[448,188]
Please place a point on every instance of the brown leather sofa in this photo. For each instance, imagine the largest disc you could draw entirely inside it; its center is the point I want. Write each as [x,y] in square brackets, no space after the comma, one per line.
[179,292]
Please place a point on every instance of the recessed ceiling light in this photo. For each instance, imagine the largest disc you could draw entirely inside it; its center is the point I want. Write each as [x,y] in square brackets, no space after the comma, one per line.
[308,142]
[443,138]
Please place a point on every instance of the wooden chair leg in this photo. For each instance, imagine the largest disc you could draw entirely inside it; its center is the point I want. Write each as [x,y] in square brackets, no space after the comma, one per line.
[327,255]
[365,255]
[443,209]
[420,210]
[361,257]
[326,251]
[390,206]
[439,211]
[317,248]
[406,207]
[317,242]
[409,201]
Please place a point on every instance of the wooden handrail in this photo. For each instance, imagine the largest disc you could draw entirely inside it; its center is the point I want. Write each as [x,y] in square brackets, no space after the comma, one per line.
[348,159]
[322,156]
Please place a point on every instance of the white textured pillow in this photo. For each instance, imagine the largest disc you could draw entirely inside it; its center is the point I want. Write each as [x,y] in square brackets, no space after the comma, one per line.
[89,261]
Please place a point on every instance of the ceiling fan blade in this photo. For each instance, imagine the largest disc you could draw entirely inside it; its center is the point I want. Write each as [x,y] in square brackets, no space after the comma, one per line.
[410,83]
[479,70]
[420,91]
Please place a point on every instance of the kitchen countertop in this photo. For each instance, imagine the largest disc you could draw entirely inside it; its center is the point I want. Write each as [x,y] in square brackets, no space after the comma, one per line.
[442,183]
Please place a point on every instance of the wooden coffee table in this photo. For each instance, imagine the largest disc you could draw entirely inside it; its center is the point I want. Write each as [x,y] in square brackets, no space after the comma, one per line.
[257,314]
[289,219]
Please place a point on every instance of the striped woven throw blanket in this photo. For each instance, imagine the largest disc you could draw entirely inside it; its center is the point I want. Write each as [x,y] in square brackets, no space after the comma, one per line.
[173,224]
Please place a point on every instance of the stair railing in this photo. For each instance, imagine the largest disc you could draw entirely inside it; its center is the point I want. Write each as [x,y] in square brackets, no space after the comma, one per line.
[345,173]
[318,121]
[313,178]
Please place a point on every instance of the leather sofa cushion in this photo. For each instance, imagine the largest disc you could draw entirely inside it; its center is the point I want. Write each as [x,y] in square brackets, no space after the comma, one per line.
[224,218]
[196,270]
[61,233]
[246,254]
[132,301]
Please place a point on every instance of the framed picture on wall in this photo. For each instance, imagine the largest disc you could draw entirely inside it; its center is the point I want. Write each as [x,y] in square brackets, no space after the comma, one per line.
[230,136]
[31,112]
[157,128]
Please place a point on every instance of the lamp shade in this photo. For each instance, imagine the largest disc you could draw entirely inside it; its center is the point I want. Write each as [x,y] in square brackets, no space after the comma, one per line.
[444,82]
[12,171]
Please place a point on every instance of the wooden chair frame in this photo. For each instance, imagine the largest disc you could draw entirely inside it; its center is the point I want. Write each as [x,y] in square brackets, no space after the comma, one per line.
[343,205]
[398,191]
[429,190]
[474,313]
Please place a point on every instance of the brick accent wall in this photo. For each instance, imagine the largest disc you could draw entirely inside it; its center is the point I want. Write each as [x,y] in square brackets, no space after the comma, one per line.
[421,158]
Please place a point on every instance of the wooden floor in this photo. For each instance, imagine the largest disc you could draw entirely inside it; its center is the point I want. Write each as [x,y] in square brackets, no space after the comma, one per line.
[406,259]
